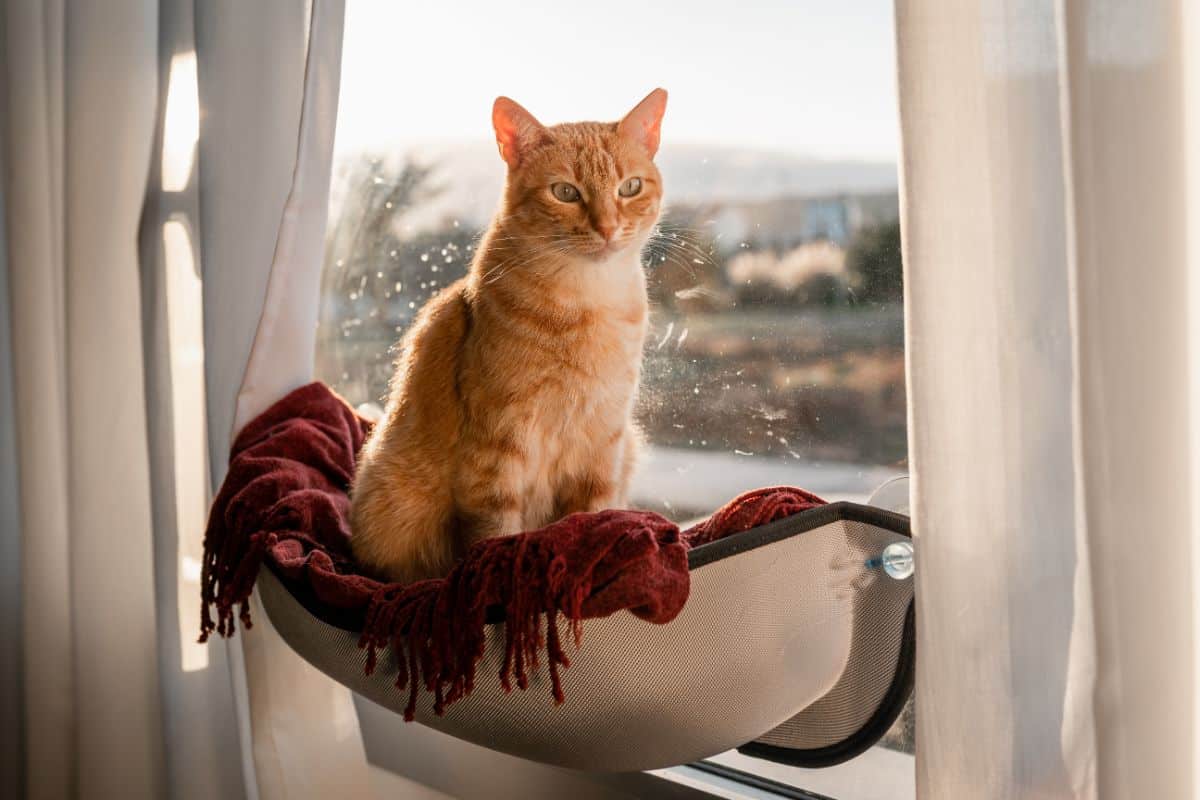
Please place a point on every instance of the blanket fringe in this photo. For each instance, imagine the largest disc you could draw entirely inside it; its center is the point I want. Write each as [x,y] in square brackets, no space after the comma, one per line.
[437,630]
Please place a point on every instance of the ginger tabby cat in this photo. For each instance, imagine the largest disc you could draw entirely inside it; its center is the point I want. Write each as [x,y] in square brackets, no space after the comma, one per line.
[512,401]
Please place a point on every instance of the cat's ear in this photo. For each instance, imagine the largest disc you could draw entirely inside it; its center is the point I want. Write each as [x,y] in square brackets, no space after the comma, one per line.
[643,124]
[516,129]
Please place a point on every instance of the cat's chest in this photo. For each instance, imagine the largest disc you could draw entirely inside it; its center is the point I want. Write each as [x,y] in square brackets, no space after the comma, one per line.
[589,379]
[607,349]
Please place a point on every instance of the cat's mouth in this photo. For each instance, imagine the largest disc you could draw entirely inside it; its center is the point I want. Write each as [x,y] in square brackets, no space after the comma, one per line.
[604,249]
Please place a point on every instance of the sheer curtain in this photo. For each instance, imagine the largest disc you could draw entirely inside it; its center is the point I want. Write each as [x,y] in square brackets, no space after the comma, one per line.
[79,108]
[1048,182]
[159,287]
[262,244]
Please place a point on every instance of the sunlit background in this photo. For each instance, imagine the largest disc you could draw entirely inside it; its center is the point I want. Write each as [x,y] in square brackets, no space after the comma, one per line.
[185,332]
[809,78]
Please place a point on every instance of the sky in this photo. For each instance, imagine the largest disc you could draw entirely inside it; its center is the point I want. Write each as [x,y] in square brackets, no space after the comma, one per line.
[805,77]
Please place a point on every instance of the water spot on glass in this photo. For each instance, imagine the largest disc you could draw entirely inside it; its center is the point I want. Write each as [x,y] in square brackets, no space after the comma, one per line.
[666,336]
[424,256]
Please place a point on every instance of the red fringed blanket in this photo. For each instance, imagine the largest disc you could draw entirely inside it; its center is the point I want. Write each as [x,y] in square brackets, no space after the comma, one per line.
[284,500]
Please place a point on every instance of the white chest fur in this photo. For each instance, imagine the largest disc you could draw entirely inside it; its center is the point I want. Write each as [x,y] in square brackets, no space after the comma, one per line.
[583,417]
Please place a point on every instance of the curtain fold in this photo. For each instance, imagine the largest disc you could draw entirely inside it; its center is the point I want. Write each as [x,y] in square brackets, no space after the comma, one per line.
[251,94]
[203,755]
[271,115]
[79,116]
[12,767]
[1046,255]
[1125,69]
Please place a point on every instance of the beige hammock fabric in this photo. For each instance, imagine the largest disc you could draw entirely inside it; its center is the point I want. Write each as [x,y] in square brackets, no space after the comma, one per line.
[789,641]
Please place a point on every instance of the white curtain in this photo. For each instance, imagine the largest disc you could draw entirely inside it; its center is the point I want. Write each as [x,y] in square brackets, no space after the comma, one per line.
[164,192]
[265,151]
[79,110]
[1048,184]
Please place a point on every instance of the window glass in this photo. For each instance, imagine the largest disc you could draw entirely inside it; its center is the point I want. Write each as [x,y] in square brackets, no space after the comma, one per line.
[776,351]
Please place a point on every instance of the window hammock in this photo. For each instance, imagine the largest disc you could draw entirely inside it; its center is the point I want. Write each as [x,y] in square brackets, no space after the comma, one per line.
[605,641]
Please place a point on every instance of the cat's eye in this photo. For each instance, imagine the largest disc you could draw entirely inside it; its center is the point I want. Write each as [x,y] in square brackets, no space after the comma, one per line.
[630,187]
[564,192]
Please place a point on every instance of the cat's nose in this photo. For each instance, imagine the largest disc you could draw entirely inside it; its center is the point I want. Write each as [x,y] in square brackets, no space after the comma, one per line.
[606,229]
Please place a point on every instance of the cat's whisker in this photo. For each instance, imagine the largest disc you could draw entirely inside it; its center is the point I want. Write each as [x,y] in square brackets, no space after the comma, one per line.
[511,264]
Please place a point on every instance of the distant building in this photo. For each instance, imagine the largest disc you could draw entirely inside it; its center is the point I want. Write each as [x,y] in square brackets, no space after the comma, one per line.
[782,223]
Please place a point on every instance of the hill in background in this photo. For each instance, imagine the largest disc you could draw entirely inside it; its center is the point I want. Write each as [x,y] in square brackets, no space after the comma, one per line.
[470,175]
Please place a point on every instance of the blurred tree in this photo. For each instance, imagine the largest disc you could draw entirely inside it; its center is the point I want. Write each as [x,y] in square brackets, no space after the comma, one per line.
[822,289]
[875,264]
[377,276]
[365,231]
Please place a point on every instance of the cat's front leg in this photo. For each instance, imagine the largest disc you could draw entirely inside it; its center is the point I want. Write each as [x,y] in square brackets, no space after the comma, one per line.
[489,492]
[588,492]
[601,480]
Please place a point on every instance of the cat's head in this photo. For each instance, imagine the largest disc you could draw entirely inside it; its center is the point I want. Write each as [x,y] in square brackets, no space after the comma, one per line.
[585,188]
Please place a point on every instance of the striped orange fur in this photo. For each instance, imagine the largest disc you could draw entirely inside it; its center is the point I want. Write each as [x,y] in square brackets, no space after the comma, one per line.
[512,401]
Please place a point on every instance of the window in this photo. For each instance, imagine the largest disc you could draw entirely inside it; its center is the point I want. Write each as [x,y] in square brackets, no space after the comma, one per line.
[776,352]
